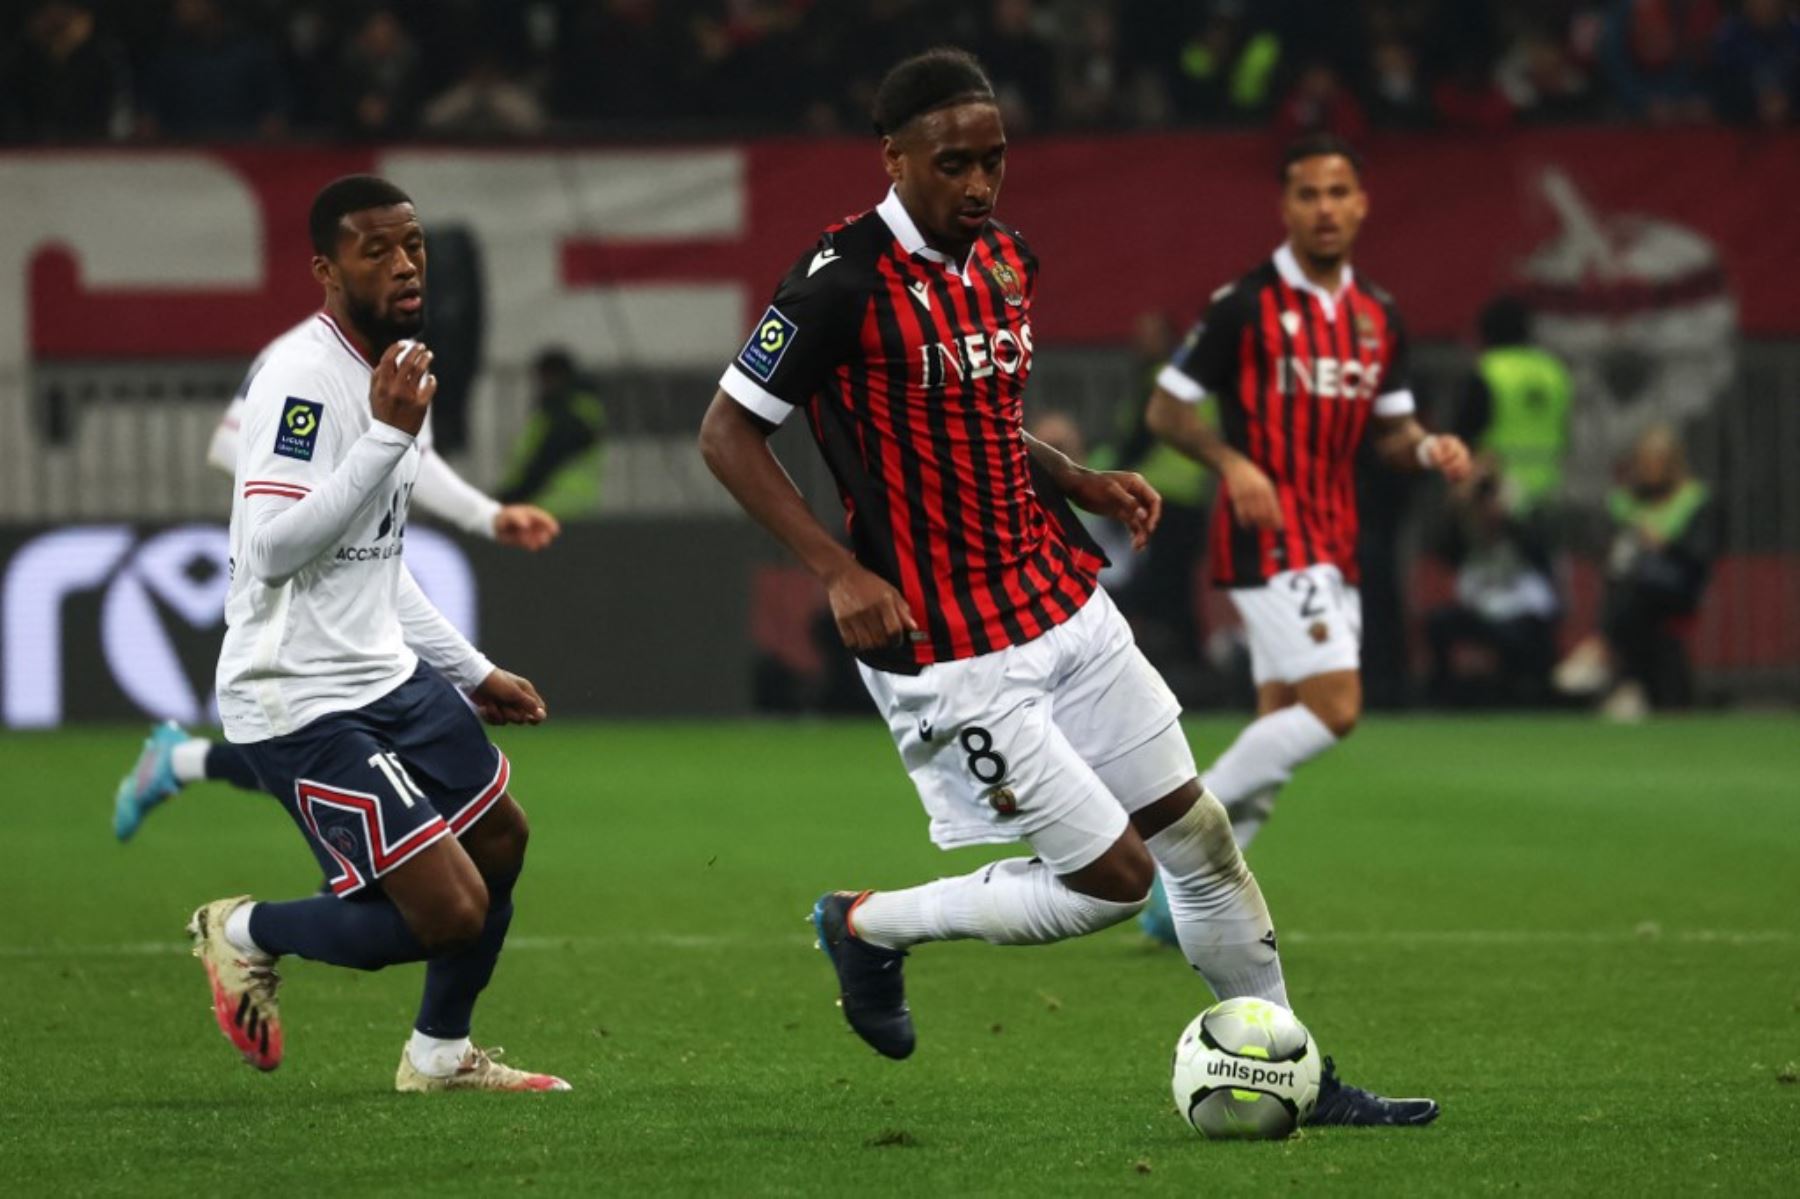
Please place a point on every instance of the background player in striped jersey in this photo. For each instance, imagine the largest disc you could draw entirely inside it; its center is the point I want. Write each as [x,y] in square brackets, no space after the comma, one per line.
[171,757]
[1020,705]
[1306,359]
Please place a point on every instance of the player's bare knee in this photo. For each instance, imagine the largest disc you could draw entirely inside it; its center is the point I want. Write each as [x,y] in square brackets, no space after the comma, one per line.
[1337,713]
[497,842]
[455,921]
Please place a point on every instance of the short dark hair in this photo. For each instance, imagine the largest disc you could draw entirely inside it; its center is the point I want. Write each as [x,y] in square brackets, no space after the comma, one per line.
[1505,321]
[1319,145]
[341,197]
[925,83]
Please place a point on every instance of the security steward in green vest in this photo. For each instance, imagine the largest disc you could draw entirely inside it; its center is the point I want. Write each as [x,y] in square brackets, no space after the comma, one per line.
[1516,406]
[556,463]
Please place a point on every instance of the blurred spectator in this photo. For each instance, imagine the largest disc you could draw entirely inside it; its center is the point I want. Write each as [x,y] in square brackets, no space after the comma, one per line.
[1543,82]
[65,80]
[377,79]
[557,459]
[1656,54]
[1505,604]
[1022,63]
[1664,542]
[485,104]
[1515,406]
[1320,102]
[213,78]
[1757,65]
[1397,89]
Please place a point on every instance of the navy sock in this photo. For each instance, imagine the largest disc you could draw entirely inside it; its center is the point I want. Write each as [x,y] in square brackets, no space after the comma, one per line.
[453,983]
[227,763]
[364,934]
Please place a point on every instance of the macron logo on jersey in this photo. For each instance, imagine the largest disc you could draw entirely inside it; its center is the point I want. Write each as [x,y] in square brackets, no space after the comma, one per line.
[298,431]
[762,353]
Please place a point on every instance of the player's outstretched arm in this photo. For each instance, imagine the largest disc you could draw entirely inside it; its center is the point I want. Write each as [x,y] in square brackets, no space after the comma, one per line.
[1124,495]
[499,695]
[1178,422]
[446,495]
[870,613]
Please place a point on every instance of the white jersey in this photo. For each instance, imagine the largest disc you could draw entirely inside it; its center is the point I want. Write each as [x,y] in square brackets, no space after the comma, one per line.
[441,491]
[321,608]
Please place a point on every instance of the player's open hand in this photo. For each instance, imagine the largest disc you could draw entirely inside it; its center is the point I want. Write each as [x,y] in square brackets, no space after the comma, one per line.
[525,525]
[1254,504]
[1124,495]
[870,612]
[1450,457]
[401,390]
[507,698]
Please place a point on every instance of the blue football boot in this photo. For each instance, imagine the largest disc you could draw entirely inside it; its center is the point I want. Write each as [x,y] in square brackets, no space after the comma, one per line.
[871,990]
[151,780]
[1342,1104]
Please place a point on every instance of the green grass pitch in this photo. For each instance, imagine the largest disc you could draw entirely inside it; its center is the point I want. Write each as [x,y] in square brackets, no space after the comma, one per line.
[1584,940]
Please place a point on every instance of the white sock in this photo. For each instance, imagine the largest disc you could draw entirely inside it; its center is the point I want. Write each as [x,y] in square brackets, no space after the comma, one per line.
[237,931]
[1263,758]
[188,760]
[1220,917]
[435,1056]
[1019,901]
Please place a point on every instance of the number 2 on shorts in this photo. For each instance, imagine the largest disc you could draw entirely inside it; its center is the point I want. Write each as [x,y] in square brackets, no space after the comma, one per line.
[404,787]
[1309,606]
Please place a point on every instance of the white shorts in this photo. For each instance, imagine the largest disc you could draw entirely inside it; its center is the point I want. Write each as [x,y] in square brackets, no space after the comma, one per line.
[1301,623]
[1052,742]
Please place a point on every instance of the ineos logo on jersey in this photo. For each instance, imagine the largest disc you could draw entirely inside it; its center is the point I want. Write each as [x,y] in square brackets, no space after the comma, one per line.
[1330,378]
[161,597]
[976,356]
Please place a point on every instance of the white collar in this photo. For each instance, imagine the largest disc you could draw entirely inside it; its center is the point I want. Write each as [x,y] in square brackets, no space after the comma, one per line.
[893,214]
[1288,267]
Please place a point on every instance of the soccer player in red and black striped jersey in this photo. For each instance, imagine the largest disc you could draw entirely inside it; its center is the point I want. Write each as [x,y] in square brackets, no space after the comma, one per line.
[1020,705]
[1306,359]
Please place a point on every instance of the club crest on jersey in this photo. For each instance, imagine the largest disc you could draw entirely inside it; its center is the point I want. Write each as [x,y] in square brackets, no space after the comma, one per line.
[1365,332]
[298,431]
[1319,631]
[1012,288]
[762,353]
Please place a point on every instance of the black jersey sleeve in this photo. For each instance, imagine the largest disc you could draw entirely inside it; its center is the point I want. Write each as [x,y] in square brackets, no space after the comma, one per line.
[1205,360]
[809,328]
[1394,395]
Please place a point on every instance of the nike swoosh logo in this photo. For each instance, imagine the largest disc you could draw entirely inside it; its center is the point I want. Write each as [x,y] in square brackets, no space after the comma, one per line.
[822,259]
[922,293]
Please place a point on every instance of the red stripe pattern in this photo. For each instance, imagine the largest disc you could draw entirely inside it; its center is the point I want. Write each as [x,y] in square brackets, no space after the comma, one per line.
[315,799]
[276,487]
[1301,399]
[922,429]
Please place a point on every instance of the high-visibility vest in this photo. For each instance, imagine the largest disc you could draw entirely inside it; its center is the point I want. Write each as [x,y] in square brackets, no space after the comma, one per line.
[1528,429]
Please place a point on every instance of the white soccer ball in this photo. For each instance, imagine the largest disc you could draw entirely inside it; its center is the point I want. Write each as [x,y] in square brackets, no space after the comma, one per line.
[1246,1069]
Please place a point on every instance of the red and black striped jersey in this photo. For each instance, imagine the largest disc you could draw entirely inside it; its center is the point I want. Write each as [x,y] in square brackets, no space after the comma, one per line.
[1297,373]
[912,370]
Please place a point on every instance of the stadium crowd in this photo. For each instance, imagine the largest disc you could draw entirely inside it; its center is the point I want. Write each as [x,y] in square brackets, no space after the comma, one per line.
[83,70]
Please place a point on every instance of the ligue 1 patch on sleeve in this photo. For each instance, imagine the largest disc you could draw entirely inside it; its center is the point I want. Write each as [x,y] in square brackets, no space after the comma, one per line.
[299,428]
[762,353]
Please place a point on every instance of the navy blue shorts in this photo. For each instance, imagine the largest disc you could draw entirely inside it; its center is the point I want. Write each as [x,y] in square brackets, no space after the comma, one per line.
[374,787]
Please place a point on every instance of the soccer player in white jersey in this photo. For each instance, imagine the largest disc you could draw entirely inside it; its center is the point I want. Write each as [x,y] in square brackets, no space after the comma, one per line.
[340,682]
[171,757]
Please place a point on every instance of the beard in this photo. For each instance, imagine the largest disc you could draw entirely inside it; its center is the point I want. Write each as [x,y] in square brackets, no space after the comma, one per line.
[378,330]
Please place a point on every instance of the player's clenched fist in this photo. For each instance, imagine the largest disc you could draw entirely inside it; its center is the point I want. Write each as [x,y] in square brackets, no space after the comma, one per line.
[400,391]
[870,613]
